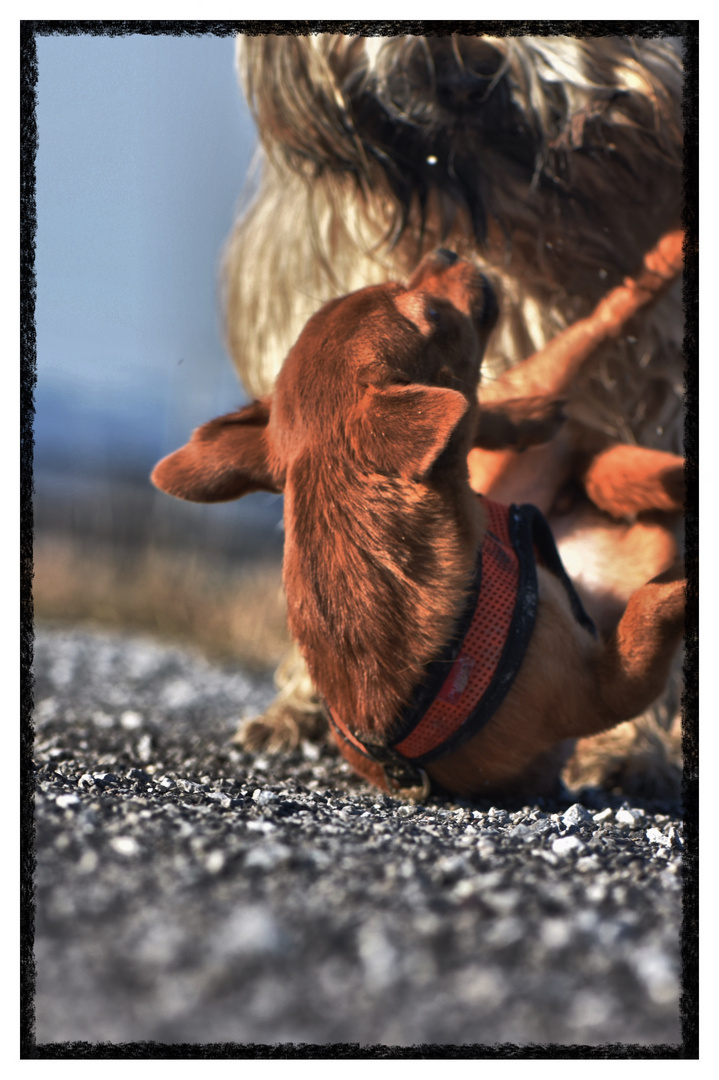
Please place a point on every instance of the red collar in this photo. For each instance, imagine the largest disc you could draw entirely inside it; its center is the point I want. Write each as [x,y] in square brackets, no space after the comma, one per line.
[463,688]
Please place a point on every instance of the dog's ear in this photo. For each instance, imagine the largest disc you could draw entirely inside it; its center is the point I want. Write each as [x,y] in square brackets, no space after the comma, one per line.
[403,429]
[224,459]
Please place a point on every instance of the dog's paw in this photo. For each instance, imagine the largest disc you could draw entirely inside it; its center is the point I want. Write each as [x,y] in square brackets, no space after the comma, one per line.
[645,776]
[281,729]
[639,758]
[519,423]
[543,422]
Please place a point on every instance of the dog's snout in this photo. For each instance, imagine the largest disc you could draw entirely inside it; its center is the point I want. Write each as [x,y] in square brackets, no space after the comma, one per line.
[433,267]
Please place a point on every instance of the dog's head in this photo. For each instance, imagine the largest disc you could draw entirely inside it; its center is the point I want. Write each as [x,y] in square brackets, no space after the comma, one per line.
[549,135]
[383,380]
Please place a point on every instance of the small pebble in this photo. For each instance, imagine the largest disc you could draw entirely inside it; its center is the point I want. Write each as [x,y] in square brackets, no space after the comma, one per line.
[656,836]
[267,856]
[125,845]
[576,815]
[131,720]
[567,845]
[263,797]
[66,801]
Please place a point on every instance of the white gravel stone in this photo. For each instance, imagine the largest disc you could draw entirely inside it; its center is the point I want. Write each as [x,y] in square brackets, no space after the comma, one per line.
[215,862]
[178,694]
[310,751]
[45,710]
[588,864]
[88,862]
[656,836]
[66,801]
[260,825]
[567,845]
[221,798]
[144,748]
[267,856]
[591,1009]
[131,720]
[576,815]
[125,845]
[555,933]
[263,797]
[658,973]
[378,957]
[486,848]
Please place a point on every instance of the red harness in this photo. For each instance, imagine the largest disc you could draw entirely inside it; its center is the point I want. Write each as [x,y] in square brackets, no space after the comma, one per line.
[465,686]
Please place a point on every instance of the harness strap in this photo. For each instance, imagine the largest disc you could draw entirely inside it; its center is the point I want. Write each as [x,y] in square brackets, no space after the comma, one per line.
[400,774]
[465,686]
[550,558]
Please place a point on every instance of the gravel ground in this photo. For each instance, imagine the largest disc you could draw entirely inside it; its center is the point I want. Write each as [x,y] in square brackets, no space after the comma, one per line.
[188,893]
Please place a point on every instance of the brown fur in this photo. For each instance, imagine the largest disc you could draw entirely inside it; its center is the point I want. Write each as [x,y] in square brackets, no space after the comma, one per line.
[555,162]
[368,433]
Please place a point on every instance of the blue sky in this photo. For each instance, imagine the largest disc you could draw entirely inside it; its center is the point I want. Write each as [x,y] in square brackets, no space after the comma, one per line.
[144,147]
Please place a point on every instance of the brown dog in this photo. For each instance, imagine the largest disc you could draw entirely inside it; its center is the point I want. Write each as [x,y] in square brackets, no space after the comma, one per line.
[439,626]
[555,162]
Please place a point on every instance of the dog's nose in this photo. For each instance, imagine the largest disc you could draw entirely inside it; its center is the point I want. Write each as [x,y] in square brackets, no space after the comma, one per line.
[449,256]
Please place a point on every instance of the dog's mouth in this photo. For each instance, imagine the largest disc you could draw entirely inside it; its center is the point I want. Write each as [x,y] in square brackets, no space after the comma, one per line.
[454,307]
[444,275]
[486,312]
[443,290]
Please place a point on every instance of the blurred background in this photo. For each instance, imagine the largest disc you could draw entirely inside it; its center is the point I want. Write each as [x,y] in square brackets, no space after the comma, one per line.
[144,148]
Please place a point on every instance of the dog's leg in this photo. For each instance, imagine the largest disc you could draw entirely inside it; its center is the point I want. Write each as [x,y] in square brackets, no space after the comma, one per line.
[625,480]
[641,757]
[295,716]
[519,424]
[609,559]
[548,375]
[534,476]
[552,371]
[632,668]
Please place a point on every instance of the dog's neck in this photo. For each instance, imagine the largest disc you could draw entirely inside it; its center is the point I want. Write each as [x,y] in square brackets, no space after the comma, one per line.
[375,581]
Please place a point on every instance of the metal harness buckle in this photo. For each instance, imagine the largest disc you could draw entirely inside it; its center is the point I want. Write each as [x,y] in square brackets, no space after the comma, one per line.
[407,780]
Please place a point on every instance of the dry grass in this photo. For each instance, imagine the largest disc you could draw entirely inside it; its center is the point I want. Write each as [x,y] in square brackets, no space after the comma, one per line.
[236,613]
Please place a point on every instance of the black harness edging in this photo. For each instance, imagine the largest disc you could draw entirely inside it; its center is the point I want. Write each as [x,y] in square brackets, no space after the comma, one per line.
[532,540]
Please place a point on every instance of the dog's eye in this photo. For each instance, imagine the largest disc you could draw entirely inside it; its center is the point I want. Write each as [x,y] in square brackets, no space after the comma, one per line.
[434,316]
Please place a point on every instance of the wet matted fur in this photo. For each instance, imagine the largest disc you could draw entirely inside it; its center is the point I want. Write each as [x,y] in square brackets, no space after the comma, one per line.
[554,161]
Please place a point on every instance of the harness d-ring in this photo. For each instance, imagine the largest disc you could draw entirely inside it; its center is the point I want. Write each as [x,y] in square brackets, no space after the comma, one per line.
[417,793]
